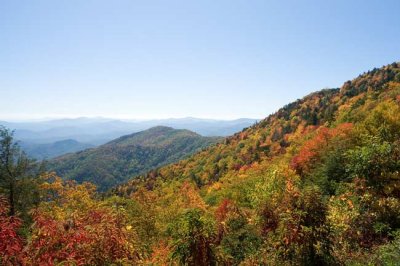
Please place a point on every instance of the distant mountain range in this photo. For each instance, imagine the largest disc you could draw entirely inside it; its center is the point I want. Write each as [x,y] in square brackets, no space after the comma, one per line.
[97,131]
[51,150]
[52,138]
[130,155]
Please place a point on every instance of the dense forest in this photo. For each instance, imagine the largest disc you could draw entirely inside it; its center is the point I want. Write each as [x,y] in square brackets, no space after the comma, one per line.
[316,183]
[130,155]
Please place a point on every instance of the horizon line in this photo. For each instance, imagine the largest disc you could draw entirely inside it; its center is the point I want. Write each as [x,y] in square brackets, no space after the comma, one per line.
[121,118]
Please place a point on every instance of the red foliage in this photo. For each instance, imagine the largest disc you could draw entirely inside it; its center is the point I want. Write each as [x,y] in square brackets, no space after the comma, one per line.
[73,228]
[310,151]
[10,242]
[226,210]
[92,239]
[222,211]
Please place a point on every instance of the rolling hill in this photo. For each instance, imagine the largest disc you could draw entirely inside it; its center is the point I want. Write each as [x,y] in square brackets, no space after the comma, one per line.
[130,155]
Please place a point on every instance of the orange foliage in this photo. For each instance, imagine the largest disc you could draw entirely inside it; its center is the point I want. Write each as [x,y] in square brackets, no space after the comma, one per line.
[191,197]
[308,154]
[160,255]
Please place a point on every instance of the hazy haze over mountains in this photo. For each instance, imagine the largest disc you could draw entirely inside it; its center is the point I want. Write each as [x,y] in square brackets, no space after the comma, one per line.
[42,151]
[100,130]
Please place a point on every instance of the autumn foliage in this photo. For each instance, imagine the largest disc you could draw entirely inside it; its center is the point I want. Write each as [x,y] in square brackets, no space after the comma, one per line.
[316,183]
[11,243]
[311,150]
[74,227]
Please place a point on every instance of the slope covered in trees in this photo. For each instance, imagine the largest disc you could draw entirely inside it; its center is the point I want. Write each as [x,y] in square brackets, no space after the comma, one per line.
[130,155]
[316,183]
[277,134]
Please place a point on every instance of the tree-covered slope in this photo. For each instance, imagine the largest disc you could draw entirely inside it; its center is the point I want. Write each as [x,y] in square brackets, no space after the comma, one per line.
[273,136]
[316,183]
[130,155]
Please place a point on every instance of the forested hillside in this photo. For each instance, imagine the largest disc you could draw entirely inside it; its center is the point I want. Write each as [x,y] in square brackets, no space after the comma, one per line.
[316,183]
[128,156]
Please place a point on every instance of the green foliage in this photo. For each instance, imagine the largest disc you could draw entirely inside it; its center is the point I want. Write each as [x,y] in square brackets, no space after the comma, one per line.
[375,160]
[240,240]
[294,225]
[19,177]
[192,237]
[141,217]
[389,254]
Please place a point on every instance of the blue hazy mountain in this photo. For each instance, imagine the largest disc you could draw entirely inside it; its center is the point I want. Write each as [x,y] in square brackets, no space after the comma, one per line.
[50,150]
[98,131]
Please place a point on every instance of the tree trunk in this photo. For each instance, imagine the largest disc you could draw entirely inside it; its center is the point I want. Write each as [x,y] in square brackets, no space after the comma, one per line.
[11,199]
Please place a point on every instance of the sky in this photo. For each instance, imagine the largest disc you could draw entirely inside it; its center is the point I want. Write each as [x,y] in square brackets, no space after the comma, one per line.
[147,59]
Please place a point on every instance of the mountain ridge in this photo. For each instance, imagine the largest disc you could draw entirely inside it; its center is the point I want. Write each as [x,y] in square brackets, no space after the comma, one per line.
[119,159]
[299,187]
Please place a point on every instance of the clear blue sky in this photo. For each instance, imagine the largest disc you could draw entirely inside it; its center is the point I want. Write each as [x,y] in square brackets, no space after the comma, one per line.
[158,59]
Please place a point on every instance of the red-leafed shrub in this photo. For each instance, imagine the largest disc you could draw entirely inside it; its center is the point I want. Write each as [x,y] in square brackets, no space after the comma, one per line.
[11,243]
[73,227]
